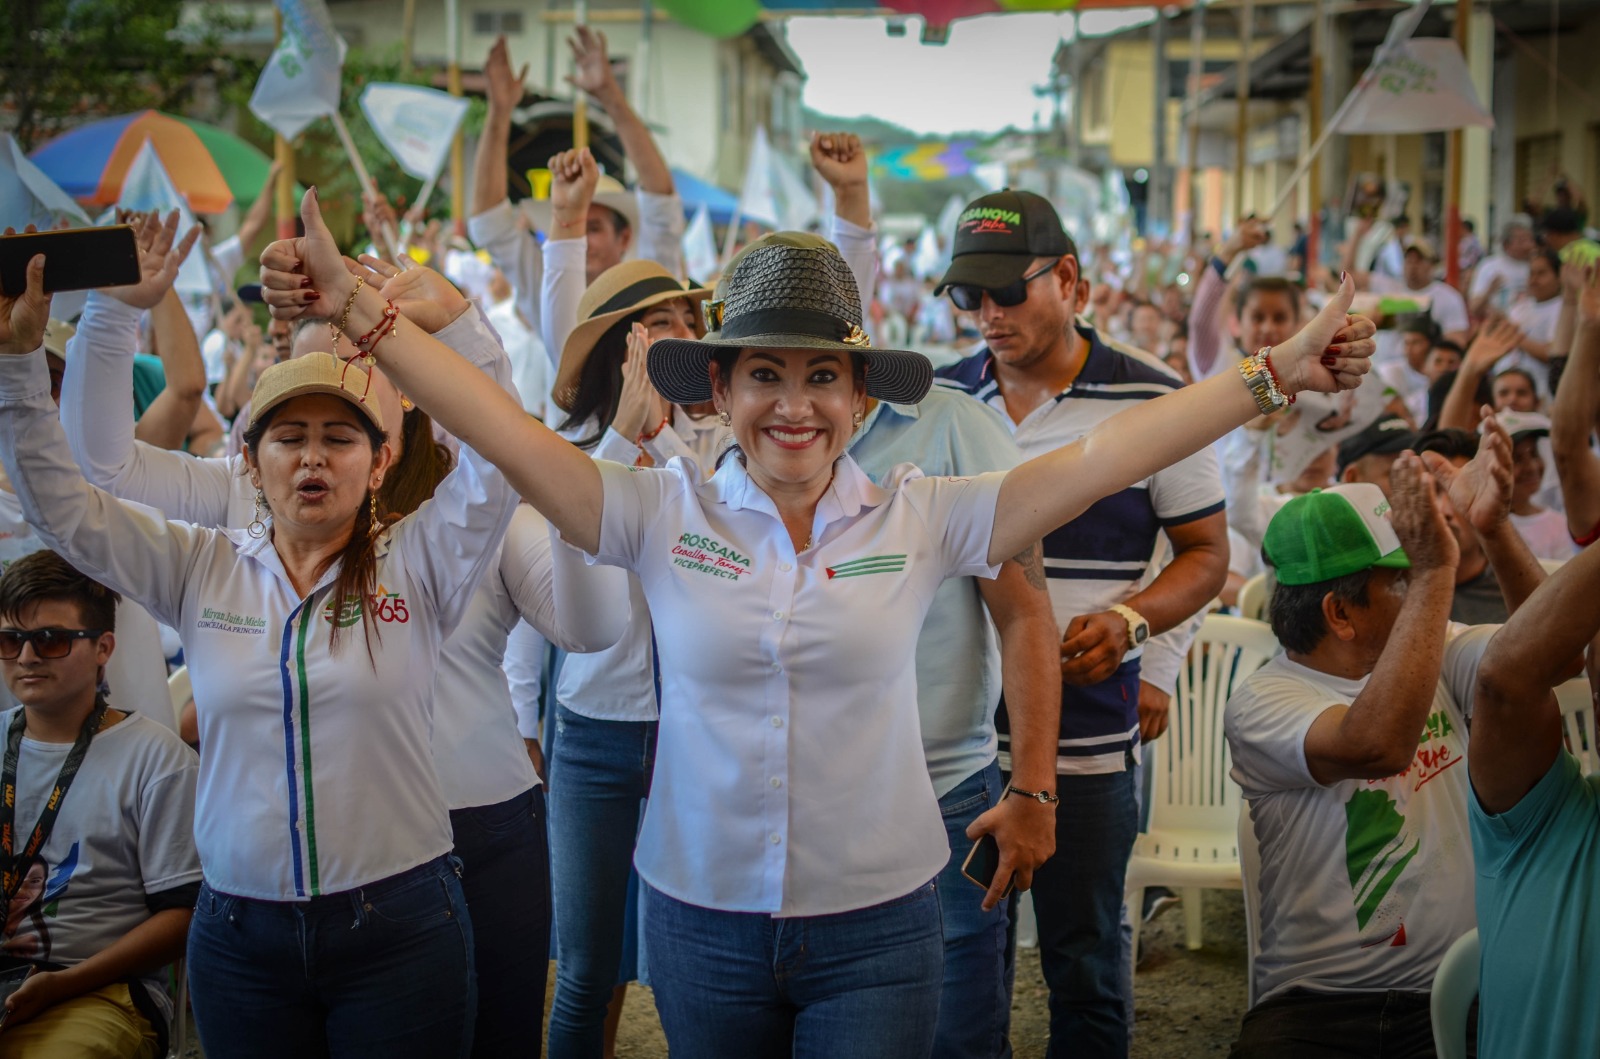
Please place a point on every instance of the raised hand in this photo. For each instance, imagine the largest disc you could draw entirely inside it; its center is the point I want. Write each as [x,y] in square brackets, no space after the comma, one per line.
[1330,353]
[1495,339]
[305,276]
[1248,234]
[574,175]
[1480,490]
[24,316]
[1418,517]
[839,158]
[159,260]
[591,65]
[423,296]
[1589,297]
[639,407]
[504,88]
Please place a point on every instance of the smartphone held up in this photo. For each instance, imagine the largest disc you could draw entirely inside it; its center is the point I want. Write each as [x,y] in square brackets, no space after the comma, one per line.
[74,259]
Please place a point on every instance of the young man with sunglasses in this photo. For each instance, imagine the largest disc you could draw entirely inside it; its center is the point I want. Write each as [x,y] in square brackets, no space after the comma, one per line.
[1055,378]
[97,855]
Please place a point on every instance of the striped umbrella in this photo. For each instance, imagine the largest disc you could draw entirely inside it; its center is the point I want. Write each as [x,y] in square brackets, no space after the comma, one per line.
[91,161]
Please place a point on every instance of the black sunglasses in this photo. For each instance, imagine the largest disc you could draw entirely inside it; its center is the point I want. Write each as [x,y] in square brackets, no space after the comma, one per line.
[969,296]
[47,643]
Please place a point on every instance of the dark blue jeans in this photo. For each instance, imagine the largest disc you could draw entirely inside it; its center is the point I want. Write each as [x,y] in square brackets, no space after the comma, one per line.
[599,778]
[505,875]
[384,971]
[1077,897]
[974,1004]
[857,985]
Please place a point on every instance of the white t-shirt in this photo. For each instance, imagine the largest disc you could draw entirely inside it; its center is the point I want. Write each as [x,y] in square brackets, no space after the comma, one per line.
[1513,276]
[1364,883]
[124,831]
[1538,321]
[1445,304]
[1546,534]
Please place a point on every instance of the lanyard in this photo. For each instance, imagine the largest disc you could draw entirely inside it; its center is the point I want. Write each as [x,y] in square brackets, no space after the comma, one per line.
[13,867]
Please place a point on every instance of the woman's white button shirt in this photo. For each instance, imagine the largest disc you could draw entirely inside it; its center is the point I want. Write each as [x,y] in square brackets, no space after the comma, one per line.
[317,775]
[789,771]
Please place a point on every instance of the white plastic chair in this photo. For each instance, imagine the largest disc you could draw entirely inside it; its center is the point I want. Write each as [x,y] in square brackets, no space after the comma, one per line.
[1250,878]
[1455,987]
[1577,721]
[1253,598]
[1194,805]
[180,691]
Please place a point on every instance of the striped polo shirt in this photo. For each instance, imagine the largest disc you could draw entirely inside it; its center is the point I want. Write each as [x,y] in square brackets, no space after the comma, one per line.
[1101,557]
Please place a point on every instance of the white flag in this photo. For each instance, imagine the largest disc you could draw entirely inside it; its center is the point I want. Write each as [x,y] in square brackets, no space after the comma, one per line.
[27,196]
[700,246]
[300,82]
[1421,85]
[416,124]
[148,187]
[773,193]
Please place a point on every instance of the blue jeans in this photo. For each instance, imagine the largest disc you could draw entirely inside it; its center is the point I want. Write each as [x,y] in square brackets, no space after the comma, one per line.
[383,971]
[599,777]
[1077,897]
[974,1004]
[505,875]
[857,985]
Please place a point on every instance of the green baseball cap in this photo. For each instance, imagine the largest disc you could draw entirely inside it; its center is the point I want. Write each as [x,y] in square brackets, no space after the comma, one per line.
[1328,533]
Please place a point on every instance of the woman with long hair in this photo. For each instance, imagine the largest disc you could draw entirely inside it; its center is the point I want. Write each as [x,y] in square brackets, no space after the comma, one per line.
[494,795]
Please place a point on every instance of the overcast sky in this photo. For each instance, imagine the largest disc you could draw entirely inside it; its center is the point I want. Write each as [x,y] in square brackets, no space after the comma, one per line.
[981,81]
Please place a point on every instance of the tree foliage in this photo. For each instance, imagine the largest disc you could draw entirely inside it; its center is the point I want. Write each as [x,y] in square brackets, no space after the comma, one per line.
[66,61]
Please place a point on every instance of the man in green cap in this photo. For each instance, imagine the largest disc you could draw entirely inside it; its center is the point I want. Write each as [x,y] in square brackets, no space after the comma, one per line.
[1347,747]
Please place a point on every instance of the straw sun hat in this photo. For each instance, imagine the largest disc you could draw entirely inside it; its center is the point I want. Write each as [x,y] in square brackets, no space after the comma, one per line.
[788,290]
[619,292]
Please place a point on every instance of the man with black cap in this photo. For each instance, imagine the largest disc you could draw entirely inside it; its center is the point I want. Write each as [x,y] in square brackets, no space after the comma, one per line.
[1055,379]
[1369,455]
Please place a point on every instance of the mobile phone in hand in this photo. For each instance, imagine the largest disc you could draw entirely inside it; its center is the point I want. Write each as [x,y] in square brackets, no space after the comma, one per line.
[982,863]
[74,259]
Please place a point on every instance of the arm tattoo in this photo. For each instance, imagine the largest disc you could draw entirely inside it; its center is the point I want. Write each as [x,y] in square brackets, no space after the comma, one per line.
[1031,560]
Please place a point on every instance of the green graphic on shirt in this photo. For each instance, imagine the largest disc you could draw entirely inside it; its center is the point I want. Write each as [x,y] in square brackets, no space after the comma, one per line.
[1374,849]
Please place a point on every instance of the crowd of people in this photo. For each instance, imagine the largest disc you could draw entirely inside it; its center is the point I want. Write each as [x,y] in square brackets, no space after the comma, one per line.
[553,604]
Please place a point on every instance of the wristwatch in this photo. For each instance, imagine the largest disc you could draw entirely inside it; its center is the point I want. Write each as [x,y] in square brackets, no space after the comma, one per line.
[1042,797]
[1138,628]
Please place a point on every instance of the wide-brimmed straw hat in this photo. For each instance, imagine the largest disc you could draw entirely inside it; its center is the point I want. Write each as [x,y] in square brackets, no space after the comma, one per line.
[617,293]
[609,193]
[788,290]
[314,373]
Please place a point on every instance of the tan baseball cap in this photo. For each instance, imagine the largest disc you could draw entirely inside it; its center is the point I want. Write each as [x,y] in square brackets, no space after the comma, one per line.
[314,373]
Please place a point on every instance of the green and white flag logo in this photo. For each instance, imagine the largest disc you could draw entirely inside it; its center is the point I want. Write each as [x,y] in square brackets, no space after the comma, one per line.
[872,564]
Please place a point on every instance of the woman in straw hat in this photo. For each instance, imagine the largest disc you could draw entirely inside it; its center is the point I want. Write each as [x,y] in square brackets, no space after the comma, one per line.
[793,833]
[605,713]
[495,797]
[332,920]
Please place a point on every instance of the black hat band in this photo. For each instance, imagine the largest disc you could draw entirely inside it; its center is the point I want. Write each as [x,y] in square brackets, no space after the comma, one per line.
[807,322]
[634,293]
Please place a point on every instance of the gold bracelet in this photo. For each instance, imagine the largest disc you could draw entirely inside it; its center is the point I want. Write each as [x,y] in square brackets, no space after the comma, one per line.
[336,330]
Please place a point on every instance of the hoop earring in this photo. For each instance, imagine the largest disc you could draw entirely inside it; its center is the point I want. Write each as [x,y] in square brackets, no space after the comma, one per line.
[257,528]
[725,419]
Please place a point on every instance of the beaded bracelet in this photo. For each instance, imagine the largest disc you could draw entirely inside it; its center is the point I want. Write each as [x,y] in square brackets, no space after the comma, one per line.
[386,321]
[1277,383]
[651,436]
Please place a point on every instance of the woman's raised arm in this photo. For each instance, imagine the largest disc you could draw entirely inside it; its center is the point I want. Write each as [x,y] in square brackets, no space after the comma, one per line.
[307,277]
[1330,353]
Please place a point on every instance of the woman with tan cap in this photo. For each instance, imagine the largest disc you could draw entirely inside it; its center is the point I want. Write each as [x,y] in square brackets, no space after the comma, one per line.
[789,846]
[603,750]
[332,920]
[495,798]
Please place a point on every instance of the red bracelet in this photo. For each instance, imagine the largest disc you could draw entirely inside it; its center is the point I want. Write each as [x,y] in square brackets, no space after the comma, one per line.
[1267,360]
[372,349]
[385,321]
[642,438]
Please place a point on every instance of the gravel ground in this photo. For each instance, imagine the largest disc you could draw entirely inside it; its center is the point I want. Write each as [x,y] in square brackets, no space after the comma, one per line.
[1185,1003]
